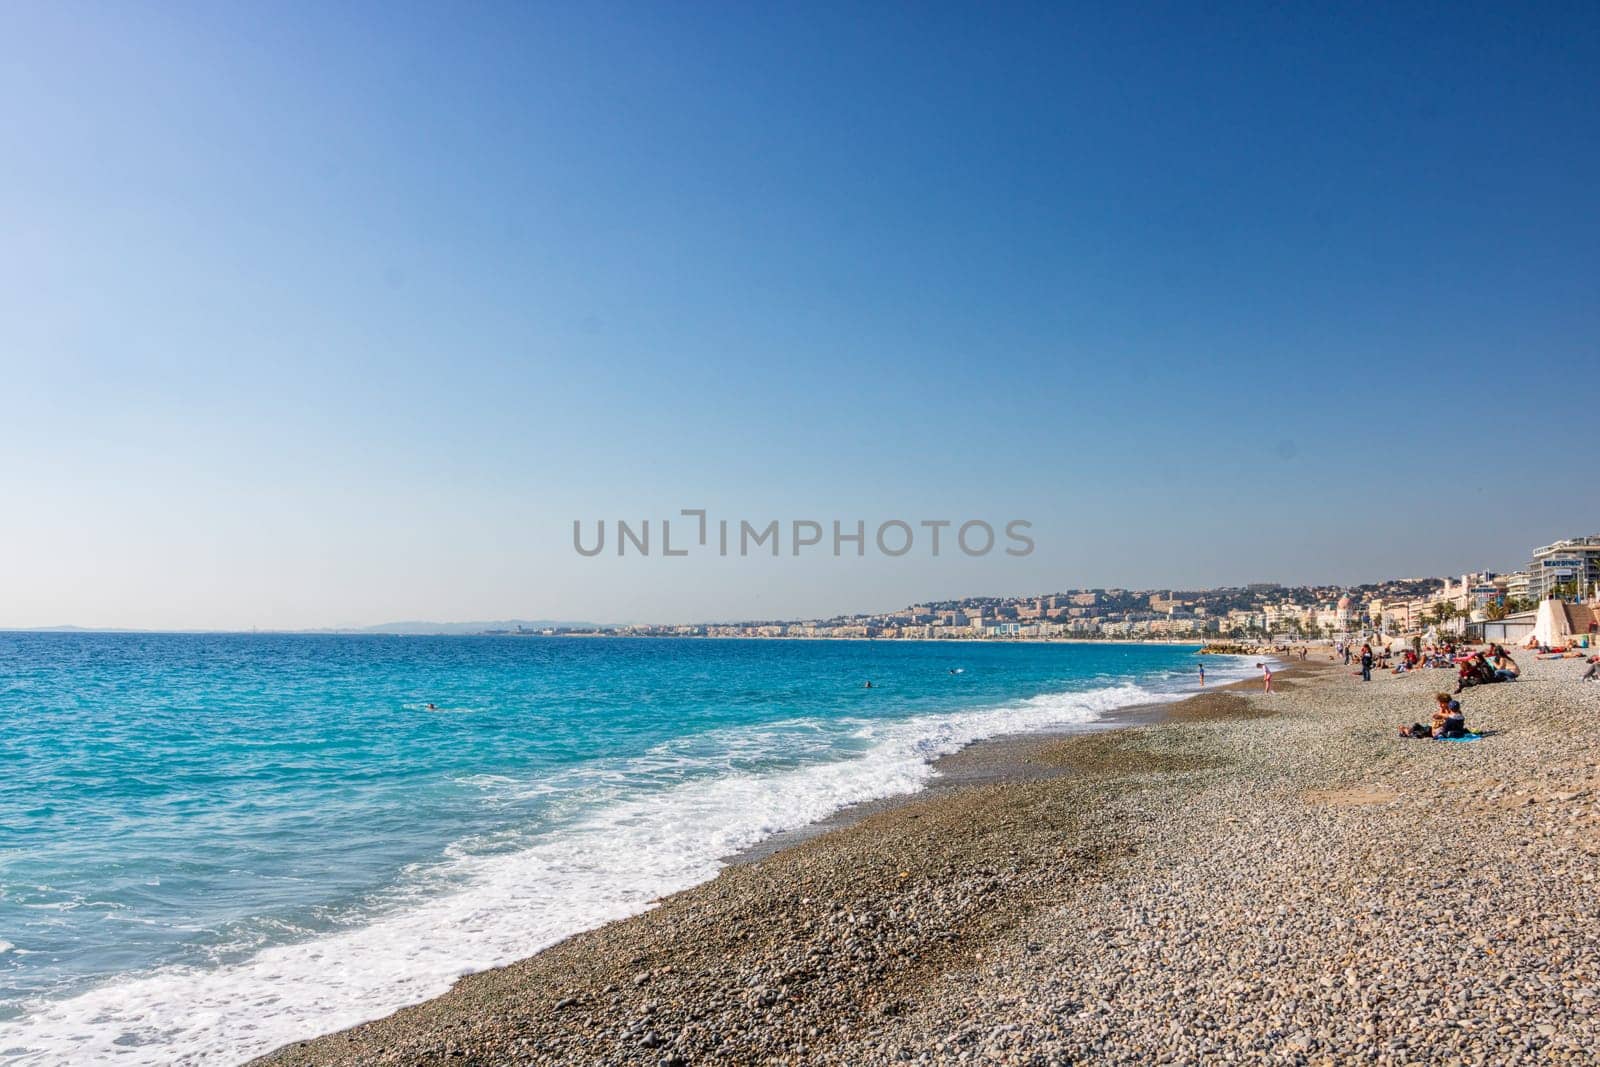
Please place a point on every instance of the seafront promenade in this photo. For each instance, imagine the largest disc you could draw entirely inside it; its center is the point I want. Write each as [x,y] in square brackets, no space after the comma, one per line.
[1251,878]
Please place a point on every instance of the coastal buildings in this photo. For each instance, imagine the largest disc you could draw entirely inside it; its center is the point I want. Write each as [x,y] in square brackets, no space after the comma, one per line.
[1266,610]
[1573,562]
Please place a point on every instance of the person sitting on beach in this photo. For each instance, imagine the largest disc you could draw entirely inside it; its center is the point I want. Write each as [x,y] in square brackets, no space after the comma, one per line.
[1475,670]
[1505,668]
[1593,673]
[1449,721]
[1485,670]
[1442,706]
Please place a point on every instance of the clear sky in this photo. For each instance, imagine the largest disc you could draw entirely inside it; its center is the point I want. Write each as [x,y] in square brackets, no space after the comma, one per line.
[334,314]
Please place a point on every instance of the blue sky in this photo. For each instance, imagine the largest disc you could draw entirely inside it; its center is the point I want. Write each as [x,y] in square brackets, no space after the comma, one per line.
[316,316]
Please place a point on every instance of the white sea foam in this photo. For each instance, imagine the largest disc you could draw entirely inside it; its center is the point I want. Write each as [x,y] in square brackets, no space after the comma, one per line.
[611,863]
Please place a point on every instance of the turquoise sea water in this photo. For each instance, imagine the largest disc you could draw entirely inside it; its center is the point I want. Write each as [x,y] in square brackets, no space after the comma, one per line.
[211,845]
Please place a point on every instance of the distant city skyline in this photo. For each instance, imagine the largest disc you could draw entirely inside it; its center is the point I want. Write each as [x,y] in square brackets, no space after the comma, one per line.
[318,317]
[1575,559]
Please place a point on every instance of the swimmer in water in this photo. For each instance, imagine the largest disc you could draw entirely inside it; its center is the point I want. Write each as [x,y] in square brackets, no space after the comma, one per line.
[867,686]
[432,707]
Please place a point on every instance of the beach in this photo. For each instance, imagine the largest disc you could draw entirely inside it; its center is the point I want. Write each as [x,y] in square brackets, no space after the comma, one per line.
[1267,878]
[346,825]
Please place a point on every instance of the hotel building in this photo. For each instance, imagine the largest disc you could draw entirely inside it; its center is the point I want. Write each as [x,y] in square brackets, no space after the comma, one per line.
[1576,558]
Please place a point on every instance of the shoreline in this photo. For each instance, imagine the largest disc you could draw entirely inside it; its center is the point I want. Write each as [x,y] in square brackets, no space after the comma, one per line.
[988,761]
[1253,877]
[1002,760]
[510,908]
[1247,876]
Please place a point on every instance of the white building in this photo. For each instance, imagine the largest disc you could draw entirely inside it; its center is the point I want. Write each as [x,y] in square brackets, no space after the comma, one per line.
[1575,559]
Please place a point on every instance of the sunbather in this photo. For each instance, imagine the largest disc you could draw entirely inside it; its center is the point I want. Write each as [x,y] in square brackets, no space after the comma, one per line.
[1505,668]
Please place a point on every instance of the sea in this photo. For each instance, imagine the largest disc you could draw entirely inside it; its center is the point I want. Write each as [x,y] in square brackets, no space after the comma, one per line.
[212,845]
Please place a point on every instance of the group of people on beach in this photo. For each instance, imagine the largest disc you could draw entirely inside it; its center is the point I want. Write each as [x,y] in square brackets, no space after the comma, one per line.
[1366,658]
[1477,669]
[1591,671]
[1448,723]
[1432,657]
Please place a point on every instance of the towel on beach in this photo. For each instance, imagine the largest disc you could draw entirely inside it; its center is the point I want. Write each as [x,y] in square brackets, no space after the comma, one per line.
[1463,737]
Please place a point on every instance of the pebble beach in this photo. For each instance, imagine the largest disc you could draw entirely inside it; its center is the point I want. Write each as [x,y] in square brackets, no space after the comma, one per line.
[1263,878]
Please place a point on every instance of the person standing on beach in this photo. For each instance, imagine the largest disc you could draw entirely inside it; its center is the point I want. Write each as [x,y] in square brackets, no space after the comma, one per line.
[1202,674]
[1266,677]
[1366,663]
